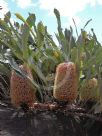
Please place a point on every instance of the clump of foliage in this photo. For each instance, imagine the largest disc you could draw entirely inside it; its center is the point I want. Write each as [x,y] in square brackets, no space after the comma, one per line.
[31,44]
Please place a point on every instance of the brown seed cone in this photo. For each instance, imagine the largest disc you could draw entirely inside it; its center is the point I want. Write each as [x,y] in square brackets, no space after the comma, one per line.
[90,91]
[65,86]
[20,89]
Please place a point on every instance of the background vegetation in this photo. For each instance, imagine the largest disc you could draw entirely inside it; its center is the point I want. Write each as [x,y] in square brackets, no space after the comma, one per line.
[31,43]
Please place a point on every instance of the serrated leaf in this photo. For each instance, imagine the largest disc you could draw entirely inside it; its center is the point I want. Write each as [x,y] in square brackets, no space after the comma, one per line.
[41,28]
[17,25]
[59,23]
[74,54]
[3,25]
[40,34]
[98,55]
[36,69]
[24,37]
[67,34]
[61,37]
[7,17]
[13,47]
[58,18]
[31,20]
[22,19]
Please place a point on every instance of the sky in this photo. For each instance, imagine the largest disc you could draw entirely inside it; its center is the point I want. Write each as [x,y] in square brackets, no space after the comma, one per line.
[80,10]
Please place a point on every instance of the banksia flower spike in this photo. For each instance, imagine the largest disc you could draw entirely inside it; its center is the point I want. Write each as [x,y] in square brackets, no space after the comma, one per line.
[65,86]
[89,91]
[20,89]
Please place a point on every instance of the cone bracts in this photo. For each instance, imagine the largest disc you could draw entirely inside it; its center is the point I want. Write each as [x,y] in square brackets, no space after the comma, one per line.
[20,89]
[89,90]
[65,86]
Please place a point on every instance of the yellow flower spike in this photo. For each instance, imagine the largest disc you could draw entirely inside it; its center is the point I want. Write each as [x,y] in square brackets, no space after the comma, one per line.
[90,91]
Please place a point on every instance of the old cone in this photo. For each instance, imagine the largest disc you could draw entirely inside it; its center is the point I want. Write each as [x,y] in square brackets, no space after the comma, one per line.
[89,91]
[65,86]
[20,89]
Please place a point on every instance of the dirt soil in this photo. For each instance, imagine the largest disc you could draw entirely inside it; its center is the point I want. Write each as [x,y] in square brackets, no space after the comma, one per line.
[44,124]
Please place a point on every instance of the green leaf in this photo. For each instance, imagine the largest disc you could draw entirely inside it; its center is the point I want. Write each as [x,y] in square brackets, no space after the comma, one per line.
[15,66]
[31,20]
[49,40]
[13,47]
[3,25]
[4,69]
[61,37]
[75,27]
[67,34]
[7,17]
[59,24]
[68,46]
[74,54]
[98,55]
[40,34]
[20,17]
[17,25]
[58,19]
[41,28]
[87,23]
[24,37]
[15,32]
[35,67]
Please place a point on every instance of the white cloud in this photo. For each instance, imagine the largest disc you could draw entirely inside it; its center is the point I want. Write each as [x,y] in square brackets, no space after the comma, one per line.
[5,8]
[24,3]
[100,2]
[66,7]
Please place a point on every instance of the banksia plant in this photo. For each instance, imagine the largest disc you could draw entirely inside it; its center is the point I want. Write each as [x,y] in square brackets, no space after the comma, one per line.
[20,90]
[65,85]
[89,91]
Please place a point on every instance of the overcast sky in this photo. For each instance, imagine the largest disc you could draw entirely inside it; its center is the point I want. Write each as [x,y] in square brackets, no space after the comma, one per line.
[80,10]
